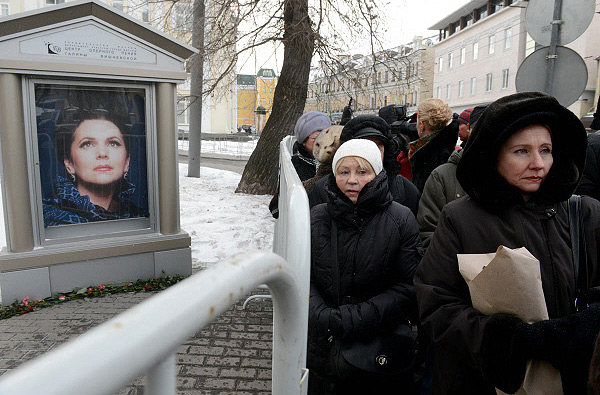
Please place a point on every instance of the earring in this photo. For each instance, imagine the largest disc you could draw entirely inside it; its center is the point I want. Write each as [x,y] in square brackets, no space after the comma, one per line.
[73,178]
[125,175]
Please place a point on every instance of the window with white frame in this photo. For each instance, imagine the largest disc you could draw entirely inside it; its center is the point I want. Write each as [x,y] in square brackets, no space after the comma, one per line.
[491,44]
[473,85]
[438,93]
[183,16]
[450,58]
[448,91]
[463,55]
[118,4]
[461,87]
[4,10]
[488,82]
[507,38]
[475,50]
[440,64]
[505,75]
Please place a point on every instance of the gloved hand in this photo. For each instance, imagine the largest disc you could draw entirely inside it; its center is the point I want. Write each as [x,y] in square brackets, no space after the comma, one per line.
[508,343]
[335,323]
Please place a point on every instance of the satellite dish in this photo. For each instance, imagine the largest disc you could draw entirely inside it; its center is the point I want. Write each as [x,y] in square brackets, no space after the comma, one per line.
[576,16]
[570,74]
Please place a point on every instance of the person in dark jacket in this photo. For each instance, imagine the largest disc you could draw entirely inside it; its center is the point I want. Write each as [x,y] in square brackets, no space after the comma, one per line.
[378,250]
[307,128]
[522,162]
[590,180]
[438,134]
[374,128]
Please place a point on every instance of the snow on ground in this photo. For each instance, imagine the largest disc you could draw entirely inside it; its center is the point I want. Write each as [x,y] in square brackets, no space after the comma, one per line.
[220,222]
[236,149]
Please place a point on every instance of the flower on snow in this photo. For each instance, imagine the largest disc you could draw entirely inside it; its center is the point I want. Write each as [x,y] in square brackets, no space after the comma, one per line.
[62,297]
[89,291]
[101,287]
[25,301]
[147,288]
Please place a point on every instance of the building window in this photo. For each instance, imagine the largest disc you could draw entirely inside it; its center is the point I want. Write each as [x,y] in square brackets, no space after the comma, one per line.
[463,55]
[497,5]
[386,77]
[448,91]
[440,64]
[183,16]
[507,38]
[450,58]
[473,85]
[491,44]
[385,100]
[145,11]
[438,93]
[55,1]
[118,4]
[483,12]
[183,110]
[505,78]
[475,50]
[4,10]
[488,82]
[460,88]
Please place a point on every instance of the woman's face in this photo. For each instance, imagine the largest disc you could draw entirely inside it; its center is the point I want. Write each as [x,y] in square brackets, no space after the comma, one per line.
[525,159]
[98,154]
[350,177]
[310,140]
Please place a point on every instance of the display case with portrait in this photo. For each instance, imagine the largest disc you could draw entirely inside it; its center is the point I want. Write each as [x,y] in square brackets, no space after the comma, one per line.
[92,145]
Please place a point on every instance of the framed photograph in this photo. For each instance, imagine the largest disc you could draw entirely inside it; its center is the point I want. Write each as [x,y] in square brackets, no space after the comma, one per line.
[92,156]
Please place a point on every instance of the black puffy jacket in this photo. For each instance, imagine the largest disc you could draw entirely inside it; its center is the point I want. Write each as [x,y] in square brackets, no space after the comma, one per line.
[590,180]
[303,161]
[495,214]
[378,251]
[433,154]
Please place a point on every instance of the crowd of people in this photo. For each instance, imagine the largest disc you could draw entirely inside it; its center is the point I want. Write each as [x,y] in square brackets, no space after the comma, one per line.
[392,308]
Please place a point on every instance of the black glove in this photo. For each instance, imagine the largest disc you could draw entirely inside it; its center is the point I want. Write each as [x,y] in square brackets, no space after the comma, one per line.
[508,343]
[335,323]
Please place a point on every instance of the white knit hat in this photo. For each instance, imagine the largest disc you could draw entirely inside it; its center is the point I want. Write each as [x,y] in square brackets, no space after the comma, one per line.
[365,149]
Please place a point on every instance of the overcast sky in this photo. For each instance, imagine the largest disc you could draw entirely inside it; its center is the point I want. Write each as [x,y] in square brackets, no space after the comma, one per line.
[405,19]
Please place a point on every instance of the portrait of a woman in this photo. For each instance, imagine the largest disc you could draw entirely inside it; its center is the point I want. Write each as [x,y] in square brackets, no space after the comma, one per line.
[96,156]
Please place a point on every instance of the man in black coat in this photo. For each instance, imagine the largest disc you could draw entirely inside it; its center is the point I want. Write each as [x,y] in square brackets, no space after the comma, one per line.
[374,128]
[590,180]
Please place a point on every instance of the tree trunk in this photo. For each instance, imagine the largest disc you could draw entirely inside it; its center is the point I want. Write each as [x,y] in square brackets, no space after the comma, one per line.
[197,80]
[260,176]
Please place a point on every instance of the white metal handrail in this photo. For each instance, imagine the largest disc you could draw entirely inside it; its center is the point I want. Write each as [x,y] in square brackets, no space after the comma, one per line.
[113,354]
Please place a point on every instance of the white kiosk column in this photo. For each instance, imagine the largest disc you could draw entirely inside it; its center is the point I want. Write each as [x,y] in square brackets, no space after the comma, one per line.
[14,158]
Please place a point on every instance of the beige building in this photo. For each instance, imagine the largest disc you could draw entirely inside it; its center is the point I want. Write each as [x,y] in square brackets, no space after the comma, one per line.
[482,45]
[400,75]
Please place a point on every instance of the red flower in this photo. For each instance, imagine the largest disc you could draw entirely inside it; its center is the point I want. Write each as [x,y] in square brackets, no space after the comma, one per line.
[89,290]
[147,288]
[101,287]
[62,297]
[25,301]
[30,308]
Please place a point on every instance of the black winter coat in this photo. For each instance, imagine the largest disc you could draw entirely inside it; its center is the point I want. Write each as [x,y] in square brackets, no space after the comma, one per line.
[433,154]
[378,251]
[303,161]
[495,214]
[590,180]
[402,190]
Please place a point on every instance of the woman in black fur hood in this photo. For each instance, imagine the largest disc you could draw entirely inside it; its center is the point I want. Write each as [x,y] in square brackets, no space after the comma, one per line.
[522,162]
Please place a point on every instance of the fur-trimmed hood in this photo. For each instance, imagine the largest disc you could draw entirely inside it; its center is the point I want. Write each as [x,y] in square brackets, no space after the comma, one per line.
[477,171]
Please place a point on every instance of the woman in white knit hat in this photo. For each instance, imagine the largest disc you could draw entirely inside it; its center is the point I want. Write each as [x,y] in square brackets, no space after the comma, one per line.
[365,250]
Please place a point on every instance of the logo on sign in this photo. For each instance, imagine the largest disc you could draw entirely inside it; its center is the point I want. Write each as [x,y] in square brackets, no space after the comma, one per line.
[53,49]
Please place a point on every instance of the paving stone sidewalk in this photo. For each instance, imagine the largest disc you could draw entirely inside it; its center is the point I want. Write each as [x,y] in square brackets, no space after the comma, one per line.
[230,356]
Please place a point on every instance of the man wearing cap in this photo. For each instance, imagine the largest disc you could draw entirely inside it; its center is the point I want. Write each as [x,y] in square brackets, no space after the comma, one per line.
[463,126]
[374,128]
[307,128]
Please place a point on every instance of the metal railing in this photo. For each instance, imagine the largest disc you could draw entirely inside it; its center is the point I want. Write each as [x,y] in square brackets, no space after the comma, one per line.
[207,294]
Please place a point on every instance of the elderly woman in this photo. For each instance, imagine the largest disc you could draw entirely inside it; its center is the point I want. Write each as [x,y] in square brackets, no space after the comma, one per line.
[438,134]
[361,282]
[522,162]
[96,158]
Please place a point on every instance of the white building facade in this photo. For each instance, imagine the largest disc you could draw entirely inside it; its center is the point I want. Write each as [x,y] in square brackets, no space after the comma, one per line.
[482,46]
